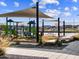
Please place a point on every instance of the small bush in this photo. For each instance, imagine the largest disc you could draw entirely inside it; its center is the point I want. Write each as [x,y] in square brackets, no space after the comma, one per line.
[59,43]
[2,52]
[75,38]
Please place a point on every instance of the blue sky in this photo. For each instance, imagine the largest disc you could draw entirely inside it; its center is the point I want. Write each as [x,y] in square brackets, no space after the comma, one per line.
[67,10]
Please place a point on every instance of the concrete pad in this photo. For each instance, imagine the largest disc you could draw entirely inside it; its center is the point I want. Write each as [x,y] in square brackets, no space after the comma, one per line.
[63,56]
[72,47]
[39,53]
[70,57]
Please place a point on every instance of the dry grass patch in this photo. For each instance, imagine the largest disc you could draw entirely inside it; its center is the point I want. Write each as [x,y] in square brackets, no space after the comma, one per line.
[76,37]
[4,43]
[49,38]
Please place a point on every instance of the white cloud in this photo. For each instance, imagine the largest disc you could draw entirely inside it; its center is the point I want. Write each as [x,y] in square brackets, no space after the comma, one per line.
[74,8]
[47,1]
[74,0]
[16,4]
[67,14]
[34,1]
[42,6]
[52,13]
[50,2]
[67,9]
[3,3]
[9,10]
[42,3]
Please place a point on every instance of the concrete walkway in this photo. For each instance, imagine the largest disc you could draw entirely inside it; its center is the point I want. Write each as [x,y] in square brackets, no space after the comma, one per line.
[40,53]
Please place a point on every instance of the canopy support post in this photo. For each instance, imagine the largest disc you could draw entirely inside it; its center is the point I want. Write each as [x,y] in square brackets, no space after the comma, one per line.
[58,27]
[10,28]
[17,28]
[6,32]
[42,27]
[58,30]
[30,28]
[63,28]
[37,21]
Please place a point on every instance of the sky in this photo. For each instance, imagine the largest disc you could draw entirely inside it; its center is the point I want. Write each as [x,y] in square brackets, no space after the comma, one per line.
[67,10]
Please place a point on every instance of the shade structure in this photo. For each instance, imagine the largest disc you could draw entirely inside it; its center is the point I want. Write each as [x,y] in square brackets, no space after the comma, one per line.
[30,12]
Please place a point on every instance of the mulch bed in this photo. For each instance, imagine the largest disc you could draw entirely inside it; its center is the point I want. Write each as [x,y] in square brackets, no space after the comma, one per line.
[21,57]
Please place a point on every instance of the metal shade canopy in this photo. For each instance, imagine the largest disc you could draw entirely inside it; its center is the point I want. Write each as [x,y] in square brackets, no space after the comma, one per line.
[31,12]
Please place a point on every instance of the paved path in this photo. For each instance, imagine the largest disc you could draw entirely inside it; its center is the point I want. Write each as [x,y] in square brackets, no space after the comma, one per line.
[40,53]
